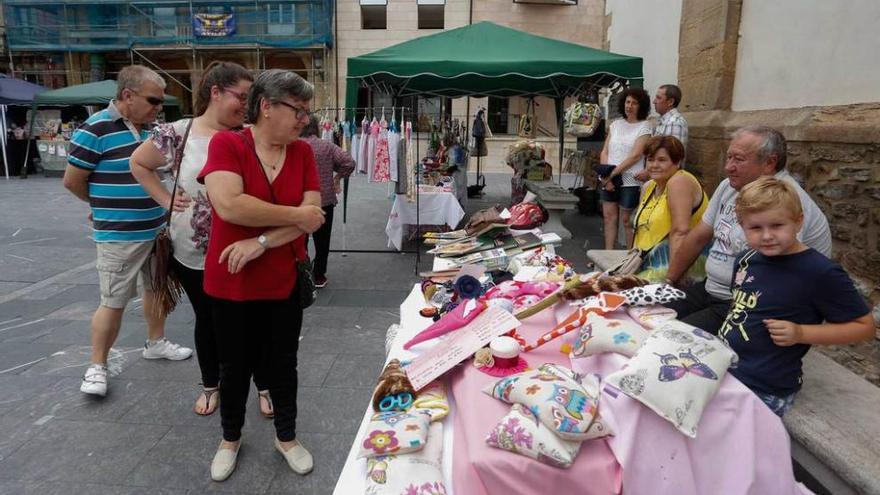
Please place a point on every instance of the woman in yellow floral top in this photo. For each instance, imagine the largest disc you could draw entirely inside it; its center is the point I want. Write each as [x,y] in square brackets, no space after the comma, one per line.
[672,203]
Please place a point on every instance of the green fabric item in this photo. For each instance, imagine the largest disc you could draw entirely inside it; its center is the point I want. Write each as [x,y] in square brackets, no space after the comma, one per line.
[486,59]
[96,93]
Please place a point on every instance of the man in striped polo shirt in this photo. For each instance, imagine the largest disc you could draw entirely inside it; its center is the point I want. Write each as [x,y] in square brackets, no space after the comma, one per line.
[125,218]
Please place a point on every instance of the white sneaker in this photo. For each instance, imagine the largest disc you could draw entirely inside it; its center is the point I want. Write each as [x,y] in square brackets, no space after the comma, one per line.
[95,381]
[164,349]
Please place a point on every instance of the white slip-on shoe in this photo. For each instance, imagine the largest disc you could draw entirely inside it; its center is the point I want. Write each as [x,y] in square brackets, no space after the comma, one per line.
[298,458]
[224,463]
[95,381]
[165,349]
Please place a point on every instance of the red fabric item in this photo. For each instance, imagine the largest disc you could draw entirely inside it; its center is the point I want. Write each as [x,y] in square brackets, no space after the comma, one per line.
[272,276]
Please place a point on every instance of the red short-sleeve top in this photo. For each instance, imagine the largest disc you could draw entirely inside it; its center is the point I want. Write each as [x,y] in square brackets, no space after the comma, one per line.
[272,276]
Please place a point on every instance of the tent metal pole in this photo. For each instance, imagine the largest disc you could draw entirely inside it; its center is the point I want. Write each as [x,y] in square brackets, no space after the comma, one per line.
[3,130]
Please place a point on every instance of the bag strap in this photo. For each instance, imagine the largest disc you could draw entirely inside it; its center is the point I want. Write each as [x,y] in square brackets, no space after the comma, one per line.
[648,195]
[175,168]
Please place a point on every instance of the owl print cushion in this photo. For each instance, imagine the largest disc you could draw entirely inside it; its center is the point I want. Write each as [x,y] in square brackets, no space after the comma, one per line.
[522,433]
[565,402]
[602,334]
[676,373]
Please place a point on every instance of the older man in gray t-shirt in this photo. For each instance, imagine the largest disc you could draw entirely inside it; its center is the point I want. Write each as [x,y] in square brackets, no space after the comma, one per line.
[753,152]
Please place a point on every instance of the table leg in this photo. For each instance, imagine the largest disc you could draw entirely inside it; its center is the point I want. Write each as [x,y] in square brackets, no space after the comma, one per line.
[554,224]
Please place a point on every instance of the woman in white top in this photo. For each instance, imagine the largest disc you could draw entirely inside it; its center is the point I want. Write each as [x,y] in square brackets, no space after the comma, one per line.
[220,104]
[624,148]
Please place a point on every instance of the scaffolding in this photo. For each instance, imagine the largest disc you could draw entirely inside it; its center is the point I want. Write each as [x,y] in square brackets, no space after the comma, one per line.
[102,25]
[174,37]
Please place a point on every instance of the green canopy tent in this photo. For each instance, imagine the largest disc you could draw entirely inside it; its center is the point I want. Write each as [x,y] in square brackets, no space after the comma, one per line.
[485,59]
[95,93]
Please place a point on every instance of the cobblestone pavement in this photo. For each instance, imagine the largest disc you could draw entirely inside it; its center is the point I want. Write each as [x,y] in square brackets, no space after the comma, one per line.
[143,437]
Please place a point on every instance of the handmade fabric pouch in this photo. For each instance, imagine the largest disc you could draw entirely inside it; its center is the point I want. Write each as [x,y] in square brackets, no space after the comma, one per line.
[602,334]
[432,399]
[418,473]
[651,317]
[565,402]
[522,433]
[395,432]
[676,372]
[651,294]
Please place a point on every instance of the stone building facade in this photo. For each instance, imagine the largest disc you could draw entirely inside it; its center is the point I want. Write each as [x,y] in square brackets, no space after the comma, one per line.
[834,149]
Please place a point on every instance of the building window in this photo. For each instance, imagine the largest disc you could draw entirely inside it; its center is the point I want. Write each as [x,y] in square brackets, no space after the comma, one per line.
[497,115]
[374,14]
[431,14]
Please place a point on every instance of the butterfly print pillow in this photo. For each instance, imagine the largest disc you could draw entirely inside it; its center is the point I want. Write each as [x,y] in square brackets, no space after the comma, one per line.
[676,373]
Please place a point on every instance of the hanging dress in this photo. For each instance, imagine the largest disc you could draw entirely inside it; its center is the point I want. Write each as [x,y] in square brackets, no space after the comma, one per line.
[363,149]
[382,166]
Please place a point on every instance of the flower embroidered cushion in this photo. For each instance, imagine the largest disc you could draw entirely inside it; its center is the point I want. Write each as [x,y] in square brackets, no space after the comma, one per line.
[676,373]
[395,432]
[602,334]
[521,433]
[417,473]
[565,402]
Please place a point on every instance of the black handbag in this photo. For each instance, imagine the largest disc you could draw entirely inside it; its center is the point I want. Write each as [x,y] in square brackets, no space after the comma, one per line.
[307,289]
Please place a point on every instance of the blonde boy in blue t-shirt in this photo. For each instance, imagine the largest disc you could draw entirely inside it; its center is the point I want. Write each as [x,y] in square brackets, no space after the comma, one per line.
[786,296]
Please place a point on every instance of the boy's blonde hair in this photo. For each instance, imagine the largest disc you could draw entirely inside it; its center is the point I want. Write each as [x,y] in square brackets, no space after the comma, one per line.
[767,193]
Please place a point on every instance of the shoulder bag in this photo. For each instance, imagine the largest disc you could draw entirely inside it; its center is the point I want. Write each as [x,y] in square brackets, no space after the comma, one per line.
[166,284]
[305,285]
[635,257]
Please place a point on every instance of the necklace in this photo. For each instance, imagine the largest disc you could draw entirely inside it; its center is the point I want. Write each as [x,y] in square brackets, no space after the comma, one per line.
[273,166]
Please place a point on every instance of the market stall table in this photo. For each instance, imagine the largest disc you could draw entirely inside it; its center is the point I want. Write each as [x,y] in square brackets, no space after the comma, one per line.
[440,208]
[742,446]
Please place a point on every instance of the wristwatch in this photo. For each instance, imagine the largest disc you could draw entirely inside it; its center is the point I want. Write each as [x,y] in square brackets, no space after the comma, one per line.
[263,241]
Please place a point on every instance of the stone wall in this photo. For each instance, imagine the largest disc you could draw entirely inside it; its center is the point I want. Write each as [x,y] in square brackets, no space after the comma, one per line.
[835,151]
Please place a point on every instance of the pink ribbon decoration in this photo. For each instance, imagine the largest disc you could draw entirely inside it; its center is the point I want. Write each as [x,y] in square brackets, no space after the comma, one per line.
[604,303]
[463,314]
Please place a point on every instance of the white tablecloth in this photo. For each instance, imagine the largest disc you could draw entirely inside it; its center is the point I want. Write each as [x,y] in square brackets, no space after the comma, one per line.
[354,473]
[434,209]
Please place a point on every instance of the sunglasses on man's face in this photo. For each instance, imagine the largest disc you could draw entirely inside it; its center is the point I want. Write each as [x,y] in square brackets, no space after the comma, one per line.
[152,100]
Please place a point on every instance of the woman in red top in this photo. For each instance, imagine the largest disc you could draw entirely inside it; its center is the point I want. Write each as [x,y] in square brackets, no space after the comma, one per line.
[258,180]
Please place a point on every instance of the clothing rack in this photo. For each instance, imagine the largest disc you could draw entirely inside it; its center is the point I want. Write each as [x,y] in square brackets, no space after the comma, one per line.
[404,110]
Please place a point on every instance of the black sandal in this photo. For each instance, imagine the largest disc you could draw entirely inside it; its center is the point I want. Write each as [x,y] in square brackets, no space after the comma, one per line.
[209,394]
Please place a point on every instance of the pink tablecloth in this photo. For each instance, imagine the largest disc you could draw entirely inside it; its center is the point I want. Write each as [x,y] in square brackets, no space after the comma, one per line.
[482,470]
[741,446]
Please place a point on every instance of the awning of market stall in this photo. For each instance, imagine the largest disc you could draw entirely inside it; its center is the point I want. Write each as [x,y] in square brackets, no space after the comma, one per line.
[17,91]
[96,93]
[485,59]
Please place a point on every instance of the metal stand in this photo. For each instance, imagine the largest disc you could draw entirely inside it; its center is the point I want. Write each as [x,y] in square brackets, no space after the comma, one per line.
[345,249]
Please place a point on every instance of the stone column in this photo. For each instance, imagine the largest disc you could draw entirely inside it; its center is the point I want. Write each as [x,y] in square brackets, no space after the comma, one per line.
[706,71]
[707,53]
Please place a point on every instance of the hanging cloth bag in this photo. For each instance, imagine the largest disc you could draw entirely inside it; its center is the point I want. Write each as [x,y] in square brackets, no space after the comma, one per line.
[528,123]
